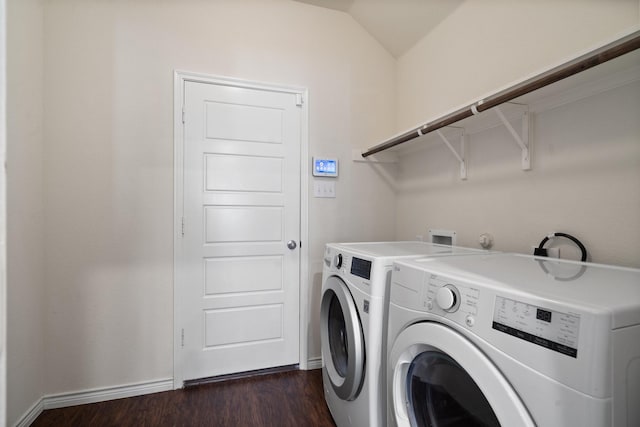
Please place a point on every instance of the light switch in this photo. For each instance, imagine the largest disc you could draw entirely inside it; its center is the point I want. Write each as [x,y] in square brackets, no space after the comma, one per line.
[326,189]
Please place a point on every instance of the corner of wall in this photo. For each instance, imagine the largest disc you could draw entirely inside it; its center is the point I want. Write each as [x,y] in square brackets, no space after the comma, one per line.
[24,206]
[3,218]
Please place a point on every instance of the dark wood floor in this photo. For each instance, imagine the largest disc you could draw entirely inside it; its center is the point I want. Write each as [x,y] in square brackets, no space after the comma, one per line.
[292,398]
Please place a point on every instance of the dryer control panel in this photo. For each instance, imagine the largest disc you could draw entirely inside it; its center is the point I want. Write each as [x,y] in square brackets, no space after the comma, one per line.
[547,328]
[454,301]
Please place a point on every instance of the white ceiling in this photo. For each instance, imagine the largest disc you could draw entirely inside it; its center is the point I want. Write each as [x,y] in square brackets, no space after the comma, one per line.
[396,24]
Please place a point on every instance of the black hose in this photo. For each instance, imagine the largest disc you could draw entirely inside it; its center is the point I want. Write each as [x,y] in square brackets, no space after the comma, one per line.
[578,243]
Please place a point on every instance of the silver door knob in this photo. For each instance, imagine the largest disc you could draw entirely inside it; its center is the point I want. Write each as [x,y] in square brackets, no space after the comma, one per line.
[291,244]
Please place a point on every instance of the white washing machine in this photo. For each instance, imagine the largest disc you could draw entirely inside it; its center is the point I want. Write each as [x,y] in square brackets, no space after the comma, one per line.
[353,319]
[513,340]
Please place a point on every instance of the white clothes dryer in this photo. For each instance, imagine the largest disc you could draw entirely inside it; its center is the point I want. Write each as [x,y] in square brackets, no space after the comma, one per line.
[513,340]
[353,319]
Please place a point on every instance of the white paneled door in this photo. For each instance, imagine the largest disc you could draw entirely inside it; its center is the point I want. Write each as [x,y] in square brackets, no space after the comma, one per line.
[239,276]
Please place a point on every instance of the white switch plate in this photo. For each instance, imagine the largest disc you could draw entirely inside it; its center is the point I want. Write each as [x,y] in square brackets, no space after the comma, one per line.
[326,189]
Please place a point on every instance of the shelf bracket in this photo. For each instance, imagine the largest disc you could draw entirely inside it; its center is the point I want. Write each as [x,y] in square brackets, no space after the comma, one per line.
[522,141]
[460,157]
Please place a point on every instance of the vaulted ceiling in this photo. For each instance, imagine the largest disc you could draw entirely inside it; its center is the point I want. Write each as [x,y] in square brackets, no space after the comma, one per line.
[396,24]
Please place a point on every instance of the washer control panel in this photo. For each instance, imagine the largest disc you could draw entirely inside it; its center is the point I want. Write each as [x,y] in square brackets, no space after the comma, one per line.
[551,329]
[357,270]
[361,268]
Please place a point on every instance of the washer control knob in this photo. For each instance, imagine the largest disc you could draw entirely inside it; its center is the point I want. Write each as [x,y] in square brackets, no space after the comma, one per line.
[470,320]
[446,298]
[337,261]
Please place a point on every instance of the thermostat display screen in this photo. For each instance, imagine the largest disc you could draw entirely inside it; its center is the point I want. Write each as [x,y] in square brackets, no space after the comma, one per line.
[325,167]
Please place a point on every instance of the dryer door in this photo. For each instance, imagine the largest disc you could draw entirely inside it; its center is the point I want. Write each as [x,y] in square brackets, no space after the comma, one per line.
[342,339]
[441,379]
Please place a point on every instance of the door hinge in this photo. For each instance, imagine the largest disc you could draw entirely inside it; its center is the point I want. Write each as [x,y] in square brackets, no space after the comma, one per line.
[299,99]
[182,337]
[183,115]
[182,227]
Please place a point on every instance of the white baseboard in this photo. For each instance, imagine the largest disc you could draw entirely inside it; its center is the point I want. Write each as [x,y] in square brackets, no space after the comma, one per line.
[63,400]
[314,363]
[30,416]
[108,393]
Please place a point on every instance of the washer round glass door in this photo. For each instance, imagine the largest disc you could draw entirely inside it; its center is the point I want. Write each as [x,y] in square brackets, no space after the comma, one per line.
[342,339]
[441,379]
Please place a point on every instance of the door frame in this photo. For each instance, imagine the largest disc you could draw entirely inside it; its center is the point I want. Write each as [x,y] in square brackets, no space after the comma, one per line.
[180,78]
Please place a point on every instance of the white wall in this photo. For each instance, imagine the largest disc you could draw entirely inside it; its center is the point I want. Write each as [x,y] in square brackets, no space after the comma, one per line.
[25,221]
[3,215]
[483,46]
[584,181]
[586,156]
[108,142]
[109,163]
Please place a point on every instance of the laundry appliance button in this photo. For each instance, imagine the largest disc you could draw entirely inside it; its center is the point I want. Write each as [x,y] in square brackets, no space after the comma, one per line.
[446,298]
[338,261]
[470,321]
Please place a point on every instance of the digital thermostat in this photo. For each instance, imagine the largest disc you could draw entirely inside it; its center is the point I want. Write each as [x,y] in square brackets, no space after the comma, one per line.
[325,167]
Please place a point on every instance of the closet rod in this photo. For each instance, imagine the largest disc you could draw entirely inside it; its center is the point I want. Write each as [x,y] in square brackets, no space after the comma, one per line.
[606,53]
